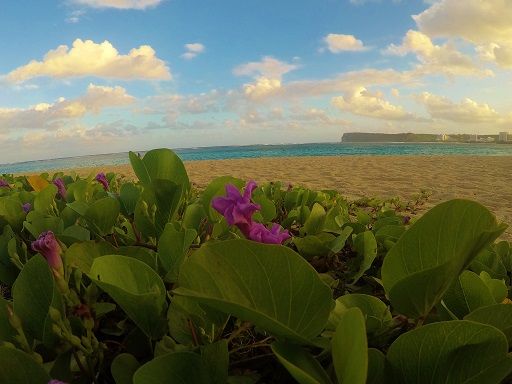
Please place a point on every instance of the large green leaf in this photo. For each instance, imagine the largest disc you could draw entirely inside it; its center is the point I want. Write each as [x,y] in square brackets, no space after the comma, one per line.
[175,368]
[172,249]
[8,271]
[137,288]
[350,348]
[123,368]
[269,285]
[457,351]
[366,247]
[160,164]
[428,257]
[16,367]
[300,364]
[376,367]
[7,332]
[497,315]
[102,214]
[34,292]
[215,357]
[129,195]
[45,199]
[315,221]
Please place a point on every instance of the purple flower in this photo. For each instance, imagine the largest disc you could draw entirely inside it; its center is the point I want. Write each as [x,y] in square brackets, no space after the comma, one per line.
[56,382]
[406,219]
[61,187]
[100,178]
[276,235]
[48,246]
[4,183]
[27,207]
[237,208]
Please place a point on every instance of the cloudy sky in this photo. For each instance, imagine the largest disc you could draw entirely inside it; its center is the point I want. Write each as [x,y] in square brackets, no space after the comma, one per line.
[100,76]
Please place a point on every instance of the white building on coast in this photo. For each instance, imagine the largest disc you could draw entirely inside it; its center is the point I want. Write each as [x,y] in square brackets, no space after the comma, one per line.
[503,136]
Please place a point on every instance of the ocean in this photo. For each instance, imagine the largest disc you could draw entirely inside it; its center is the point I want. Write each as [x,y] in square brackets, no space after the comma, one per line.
[253,151]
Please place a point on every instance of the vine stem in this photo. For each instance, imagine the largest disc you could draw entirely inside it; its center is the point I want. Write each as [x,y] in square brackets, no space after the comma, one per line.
[245,326]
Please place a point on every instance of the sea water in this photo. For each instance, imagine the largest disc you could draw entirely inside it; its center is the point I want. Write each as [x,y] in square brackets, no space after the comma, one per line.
[285,150]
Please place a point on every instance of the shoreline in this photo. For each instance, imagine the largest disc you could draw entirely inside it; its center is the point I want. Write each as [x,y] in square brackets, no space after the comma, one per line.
[486,179]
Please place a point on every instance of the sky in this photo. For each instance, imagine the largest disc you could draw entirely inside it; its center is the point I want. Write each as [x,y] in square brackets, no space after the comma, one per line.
[84,77]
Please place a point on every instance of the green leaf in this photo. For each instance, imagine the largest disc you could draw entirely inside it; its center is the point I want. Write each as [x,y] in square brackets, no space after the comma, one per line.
[147,256]
[467,293]
[16,367]
[497,287]
[102,215]
[123,368]
[457,351]
[81,255]
[128,195]
[312,245]
[11,212]
[497,315]
[172,249]
[376,367]
[429,256]
[339,242]
[157,206]
[45,199]
[300,364]
[489,261]
[34,292]
[8,271]
[376,313]
[315,221]
[269,285]
[215,357]
[161,164]
[137,288]
[175,368]
[267,206]
[193,216]
[366,247]
[350,348]
[7,332]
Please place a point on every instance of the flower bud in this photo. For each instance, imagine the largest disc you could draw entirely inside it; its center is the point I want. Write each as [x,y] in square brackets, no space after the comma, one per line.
[101,178]
[48,246]
[54,314]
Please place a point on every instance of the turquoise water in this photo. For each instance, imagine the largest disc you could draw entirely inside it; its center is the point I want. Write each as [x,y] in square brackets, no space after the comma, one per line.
[252,151]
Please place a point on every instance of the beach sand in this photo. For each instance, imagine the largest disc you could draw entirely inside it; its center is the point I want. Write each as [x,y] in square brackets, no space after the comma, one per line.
[486,179]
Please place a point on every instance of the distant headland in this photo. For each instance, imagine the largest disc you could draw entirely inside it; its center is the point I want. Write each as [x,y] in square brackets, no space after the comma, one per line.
[366,137]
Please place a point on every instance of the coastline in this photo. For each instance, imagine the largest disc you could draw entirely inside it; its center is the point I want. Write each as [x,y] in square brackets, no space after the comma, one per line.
[486,179]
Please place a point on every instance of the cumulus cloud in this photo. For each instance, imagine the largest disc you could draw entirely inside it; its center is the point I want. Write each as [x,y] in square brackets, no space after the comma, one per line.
[337,43]
[193,50]
[267,67]
[443,59]
[263,87]
[485,23]
[119,4]
[467,111]
[87,58]
[50,116]
[364,103]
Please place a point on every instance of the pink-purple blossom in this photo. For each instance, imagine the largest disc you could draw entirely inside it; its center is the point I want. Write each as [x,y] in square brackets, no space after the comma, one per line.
[102,179]
[54,381]
[61,187]
[276,235]
[27,207]
[4,184]
[238,210]
[48,246]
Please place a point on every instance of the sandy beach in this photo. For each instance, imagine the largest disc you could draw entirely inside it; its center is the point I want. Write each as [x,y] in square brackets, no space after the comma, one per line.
[486,179]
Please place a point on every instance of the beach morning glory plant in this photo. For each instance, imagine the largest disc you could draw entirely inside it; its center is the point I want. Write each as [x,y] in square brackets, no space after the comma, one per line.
[61,187]
[4,184]
[238,210]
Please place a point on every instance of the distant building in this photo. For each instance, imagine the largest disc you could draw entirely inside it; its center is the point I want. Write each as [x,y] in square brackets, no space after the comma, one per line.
[503,136]
[442,137]
[473,138]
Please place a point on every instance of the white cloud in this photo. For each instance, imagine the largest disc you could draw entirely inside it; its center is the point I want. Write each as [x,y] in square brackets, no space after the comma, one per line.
[87,58]
[267,67]
[337,43]
[192,50]
[436,59]
[364,103]
[50,116]
[485,23]
[467,111]
[263,87]
[119,4]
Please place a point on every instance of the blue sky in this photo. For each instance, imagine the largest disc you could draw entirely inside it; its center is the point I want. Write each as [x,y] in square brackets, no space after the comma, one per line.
[98,76]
